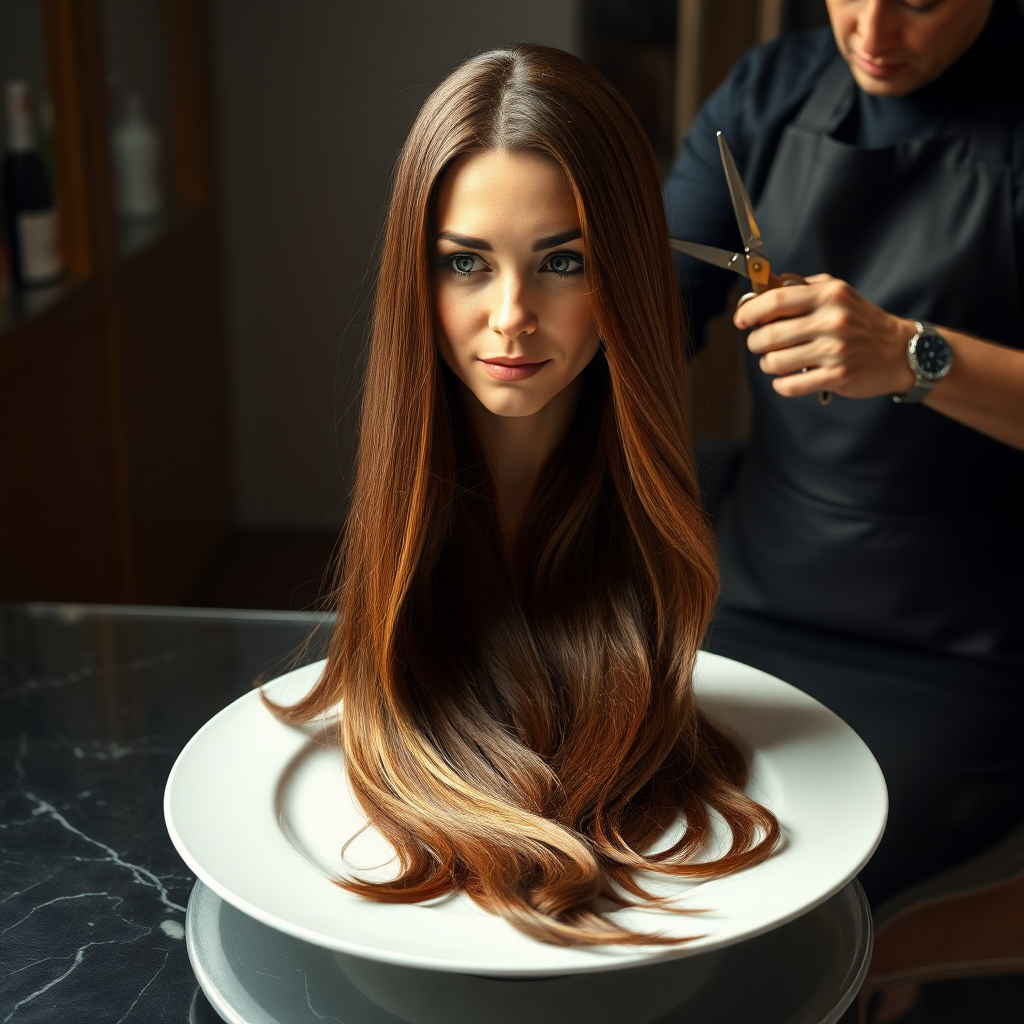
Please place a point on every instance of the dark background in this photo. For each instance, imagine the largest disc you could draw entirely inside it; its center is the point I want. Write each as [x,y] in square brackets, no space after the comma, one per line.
[177,418]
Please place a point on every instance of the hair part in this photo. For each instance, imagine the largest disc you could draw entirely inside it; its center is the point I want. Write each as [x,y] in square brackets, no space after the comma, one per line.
[524,727]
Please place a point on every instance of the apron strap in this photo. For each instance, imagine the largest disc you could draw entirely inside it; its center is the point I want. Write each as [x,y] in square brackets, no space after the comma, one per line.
[830,100]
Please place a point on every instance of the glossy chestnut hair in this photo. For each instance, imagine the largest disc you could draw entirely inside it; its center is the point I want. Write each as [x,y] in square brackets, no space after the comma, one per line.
[519,720]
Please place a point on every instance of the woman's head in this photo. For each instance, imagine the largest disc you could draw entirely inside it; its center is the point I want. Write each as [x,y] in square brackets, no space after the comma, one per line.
[532,109]
[521,723]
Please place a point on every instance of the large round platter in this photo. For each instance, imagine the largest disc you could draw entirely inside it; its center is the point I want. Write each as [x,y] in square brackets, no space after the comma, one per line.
[260,810]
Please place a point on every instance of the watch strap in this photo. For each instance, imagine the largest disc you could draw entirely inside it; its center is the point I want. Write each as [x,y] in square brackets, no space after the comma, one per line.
[916,393]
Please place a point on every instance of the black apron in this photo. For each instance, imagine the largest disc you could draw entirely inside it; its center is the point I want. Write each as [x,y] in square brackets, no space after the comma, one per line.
[873,552]
[878,520]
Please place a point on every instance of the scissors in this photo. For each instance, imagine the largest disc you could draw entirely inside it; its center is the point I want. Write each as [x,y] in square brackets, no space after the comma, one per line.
[753,262]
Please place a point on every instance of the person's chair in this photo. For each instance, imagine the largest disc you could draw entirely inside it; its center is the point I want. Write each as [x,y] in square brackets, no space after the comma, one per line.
[967,922]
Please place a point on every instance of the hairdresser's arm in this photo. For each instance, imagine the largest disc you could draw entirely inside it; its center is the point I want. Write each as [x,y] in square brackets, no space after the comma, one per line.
[751,108]
[696,195]
[698,209]
[853,348]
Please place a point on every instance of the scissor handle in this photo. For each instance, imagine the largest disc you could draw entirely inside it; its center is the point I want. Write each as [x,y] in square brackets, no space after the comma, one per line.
[773,282]
[824,397]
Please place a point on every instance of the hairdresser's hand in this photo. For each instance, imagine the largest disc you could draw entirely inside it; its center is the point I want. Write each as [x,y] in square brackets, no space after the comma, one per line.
[824,336]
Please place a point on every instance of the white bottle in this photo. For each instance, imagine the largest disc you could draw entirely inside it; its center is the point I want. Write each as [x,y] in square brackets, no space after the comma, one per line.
[137,164]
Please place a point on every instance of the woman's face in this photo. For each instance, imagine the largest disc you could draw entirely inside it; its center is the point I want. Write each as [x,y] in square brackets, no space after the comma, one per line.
[513,313]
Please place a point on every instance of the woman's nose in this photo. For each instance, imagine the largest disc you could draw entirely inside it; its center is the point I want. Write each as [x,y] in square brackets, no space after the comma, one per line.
[513,313]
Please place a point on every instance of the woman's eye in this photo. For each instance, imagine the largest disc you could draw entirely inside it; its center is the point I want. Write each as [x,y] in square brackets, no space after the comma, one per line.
[466,264]
[565,264]
[462,264]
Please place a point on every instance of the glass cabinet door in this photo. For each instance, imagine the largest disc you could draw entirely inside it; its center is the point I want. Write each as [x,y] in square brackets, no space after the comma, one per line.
[30,256]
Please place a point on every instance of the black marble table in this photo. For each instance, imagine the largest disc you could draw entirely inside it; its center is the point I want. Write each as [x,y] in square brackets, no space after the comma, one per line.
[95,704]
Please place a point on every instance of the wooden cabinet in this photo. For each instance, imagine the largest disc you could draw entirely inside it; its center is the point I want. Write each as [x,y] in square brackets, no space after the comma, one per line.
[114,467]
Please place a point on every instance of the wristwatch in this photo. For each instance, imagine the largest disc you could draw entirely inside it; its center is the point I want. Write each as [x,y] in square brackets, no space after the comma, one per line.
[930,357]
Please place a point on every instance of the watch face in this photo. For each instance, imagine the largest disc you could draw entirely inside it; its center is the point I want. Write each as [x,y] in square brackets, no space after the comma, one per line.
[933,355]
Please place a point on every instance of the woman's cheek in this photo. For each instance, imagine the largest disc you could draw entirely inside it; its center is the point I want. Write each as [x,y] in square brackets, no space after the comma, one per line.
[455,325]
[576,329]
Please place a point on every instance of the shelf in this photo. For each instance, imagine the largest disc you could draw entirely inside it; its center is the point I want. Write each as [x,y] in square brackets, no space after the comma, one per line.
[19,306]
[133,236]
[146,250]
[28,331]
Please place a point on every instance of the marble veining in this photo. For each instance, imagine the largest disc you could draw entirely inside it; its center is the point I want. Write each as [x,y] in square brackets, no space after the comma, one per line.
[141,875]
[94,708]
[86,671]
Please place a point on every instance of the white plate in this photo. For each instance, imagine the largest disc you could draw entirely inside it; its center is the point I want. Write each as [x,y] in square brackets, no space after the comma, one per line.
[259,811]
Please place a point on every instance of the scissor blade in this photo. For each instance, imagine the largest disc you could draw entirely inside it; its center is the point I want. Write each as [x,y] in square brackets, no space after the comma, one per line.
[742,207]
[709,254]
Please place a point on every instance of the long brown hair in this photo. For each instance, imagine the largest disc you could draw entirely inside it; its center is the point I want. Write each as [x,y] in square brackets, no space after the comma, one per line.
[522,725]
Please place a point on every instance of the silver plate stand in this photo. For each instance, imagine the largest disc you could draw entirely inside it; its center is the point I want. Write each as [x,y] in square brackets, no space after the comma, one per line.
[806,972]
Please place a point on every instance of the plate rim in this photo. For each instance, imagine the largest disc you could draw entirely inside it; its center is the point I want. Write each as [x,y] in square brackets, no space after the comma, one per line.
[594,958]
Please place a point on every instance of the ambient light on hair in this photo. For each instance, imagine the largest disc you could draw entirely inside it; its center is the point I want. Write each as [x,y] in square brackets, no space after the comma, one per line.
[519,719]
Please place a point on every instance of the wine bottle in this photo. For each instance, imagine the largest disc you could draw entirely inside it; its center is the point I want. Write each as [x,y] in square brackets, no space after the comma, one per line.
[5,261]
[46,143]
[28,199]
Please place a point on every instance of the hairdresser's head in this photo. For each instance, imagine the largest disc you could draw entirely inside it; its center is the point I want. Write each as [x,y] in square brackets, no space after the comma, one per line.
[527,203]
[896,46]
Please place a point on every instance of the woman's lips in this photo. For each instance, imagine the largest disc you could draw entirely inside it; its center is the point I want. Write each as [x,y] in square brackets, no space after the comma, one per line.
[511,369]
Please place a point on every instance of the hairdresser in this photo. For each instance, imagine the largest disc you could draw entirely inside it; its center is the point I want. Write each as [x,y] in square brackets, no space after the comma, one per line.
[872,551]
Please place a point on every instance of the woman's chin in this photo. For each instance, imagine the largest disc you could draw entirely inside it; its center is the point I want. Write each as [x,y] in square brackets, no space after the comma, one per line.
[512,402]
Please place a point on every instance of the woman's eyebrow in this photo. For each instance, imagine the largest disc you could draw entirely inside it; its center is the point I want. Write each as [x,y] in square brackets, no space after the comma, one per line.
[467,240]
[560,239]
[484,246]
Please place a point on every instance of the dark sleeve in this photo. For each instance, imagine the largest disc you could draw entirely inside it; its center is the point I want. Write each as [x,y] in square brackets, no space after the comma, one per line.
[1013,38]
[698,209]
[1017,158]
[751,108]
